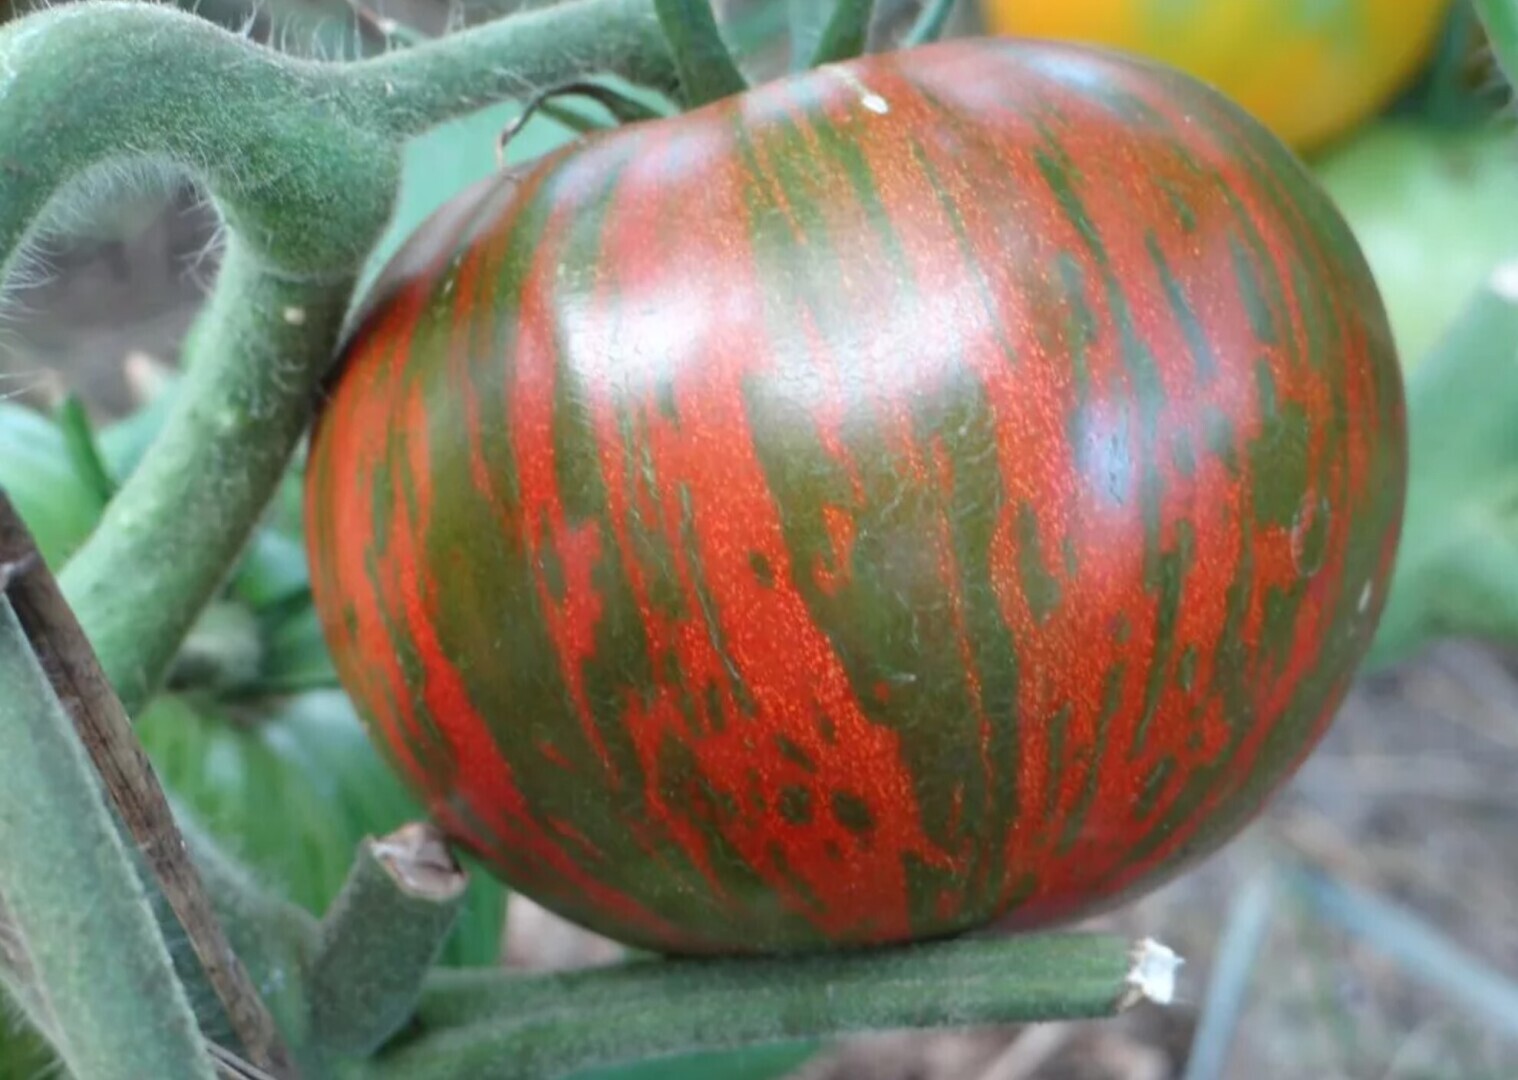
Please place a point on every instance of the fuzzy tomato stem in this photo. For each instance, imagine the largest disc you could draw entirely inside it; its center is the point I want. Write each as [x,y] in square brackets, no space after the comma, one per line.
[306,179]
[514,1027]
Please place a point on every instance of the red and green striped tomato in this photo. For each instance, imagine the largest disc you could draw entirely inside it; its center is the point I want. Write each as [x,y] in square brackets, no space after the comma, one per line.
[949,486]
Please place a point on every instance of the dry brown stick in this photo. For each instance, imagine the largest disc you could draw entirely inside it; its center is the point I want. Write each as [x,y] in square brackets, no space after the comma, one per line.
[105,730]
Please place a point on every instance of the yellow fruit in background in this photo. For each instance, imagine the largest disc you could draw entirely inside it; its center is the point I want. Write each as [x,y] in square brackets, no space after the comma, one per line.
[1310,69]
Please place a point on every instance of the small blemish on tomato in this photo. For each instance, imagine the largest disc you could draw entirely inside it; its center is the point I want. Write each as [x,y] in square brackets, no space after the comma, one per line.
[1309,534]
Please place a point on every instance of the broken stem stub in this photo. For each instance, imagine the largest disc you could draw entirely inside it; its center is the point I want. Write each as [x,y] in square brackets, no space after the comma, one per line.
[380,937]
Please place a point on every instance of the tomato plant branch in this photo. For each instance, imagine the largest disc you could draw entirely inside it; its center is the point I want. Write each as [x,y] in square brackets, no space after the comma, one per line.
[411,90]
[706,68]
[512,1026]
[253,370]
[846,33]
[305,183]
[75,901]
[381,935]
[105,731]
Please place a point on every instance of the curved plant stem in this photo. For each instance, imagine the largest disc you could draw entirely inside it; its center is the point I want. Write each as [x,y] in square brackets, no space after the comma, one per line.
[930,23]
[187,511]
[79,910]
[706,68]
[512,1027]
[846,33]
[304,185]
[306,182]
[409,91]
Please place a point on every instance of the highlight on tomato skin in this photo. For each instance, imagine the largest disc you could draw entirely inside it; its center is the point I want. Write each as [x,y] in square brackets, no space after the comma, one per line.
[953,486]
[1311,70]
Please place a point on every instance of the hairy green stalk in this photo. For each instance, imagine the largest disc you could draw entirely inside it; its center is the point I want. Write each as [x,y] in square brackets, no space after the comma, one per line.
[514,1027]
[199,492]
[306,182]
[302,160]
[407,91]
[76,905]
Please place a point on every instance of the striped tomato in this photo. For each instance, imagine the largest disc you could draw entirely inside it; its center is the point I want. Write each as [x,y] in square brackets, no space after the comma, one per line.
[954,484]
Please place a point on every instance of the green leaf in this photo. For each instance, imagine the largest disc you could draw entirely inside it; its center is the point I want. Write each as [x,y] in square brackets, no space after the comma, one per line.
[930,23]
[706,68]
[36,469]
[290,787]
[273,571]
[756,29]
[807,19]
[23,1053]
[1457,566]
[84,449]
[1500,18]
[450,157]
[1432,210]
[295,651]
[846,32]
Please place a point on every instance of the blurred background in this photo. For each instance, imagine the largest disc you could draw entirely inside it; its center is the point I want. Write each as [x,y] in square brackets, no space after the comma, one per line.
[1365,927]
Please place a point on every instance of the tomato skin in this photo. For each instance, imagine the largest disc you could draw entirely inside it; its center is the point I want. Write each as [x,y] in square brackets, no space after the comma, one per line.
[954,485]
[1311,70]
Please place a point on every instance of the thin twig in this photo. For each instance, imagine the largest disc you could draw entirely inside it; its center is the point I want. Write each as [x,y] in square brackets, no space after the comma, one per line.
[66,656]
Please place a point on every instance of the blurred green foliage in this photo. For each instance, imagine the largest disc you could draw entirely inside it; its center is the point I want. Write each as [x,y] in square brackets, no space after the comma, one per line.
[1432,208]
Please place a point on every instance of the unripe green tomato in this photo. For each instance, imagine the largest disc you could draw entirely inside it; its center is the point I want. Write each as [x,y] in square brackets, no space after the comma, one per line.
[1310,69]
